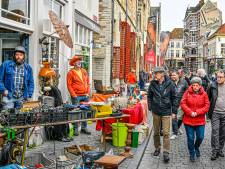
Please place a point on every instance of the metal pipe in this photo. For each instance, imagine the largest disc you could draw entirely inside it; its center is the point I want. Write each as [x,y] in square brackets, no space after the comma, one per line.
[124,67]
[90,62]
[24,145]
[112,40]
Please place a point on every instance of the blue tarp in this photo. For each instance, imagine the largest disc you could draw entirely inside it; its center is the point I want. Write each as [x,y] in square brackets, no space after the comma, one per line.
[13,166]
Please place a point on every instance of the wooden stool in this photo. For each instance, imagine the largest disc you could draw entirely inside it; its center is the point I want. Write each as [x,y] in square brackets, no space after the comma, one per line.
[110,161]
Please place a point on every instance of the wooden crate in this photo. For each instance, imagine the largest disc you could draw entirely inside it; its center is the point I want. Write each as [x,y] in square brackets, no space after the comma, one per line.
[31,104]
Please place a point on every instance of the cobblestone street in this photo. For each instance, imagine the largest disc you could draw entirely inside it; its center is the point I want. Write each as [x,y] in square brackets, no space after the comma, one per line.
[93,140]
[179,157]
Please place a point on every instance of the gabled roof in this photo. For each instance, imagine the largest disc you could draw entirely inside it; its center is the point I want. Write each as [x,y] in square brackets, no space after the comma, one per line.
[219,32]
[177,33]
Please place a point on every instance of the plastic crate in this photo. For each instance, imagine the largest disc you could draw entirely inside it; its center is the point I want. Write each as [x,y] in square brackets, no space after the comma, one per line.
[74,115]
[103,111]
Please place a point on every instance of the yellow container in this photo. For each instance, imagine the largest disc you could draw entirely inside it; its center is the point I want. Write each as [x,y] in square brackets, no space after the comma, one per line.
[103,111]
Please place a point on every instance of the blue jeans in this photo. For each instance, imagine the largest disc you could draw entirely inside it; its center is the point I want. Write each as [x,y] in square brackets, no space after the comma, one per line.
[131,89]
[12,103]
[194,144]
[142,85]
[76,101]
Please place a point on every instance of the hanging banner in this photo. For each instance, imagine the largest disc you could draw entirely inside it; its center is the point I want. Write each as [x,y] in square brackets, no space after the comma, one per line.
[150,56]
[161,61]
[152,30]
[164,43]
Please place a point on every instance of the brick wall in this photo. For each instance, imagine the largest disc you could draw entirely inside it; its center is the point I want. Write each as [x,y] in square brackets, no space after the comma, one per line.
[102,54]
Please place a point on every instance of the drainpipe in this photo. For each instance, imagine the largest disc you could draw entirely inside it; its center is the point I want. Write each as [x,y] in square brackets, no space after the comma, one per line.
[91,62]
[112,40]
[124,68]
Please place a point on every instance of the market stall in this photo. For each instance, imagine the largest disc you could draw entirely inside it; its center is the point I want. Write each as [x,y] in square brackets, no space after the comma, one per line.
[110,118]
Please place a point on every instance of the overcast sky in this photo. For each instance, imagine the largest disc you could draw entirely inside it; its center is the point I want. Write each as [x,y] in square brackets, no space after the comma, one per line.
[173,11]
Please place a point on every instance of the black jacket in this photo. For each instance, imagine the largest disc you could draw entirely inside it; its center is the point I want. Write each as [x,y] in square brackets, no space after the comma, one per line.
[56,93]
[187,80]
[162,102]
[205,82]
[181,87]
[213,94]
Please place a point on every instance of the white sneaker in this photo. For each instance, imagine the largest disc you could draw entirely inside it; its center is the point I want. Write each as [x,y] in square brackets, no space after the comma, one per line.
[173,137]
[180,132]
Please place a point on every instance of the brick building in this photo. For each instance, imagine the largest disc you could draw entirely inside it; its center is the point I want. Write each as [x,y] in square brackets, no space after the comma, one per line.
[119,46]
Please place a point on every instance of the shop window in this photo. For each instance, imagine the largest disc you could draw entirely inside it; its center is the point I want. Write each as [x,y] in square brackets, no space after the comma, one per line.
[51,53]
[17,10]
[54,52]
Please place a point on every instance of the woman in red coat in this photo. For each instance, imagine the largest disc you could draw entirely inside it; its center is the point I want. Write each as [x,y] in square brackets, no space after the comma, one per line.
[195,104]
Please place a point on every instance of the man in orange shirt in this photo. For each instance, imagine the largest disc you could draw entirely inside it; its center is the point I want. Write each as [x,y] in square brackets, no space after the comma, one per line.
[79,88]
[131,81]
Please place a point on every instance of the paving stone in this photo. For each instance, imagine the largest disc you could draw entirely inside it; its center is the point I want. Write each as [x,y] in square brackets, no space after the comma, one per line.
[179,157]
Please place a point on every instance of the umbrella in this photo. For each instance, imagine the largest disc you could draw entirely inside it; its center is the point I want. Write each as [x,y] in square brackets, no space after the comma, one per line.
[61,29]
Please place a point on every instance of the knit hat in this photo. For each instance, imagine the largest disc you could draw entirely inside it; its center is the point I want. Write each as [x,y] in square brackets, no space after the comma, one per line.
[74,60]
[159,70]
[196,80]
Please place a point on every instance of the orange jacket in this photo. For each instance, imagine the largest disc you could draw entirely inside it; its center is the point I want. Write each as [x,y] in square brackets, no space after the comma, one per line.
[77,86]
[131,78]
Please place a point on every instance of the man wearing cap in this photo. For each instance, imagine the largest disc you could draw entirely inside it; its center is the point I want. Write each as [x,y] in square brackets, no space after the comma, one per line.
[181,86]
[16,80]
[162,101]
[79,88]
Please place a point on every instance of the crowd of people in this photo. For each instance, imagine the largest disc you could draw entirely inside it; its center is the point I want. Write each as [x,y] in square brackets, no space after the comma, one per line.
[190,99]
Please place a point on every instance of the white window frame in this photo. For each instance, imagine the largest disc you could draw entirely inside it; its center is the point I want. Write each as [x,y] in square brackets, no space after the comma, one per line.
[172,53]
[80,39]
[177,53]
[177,44]
[172,46]
[61,4]
[28,19]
